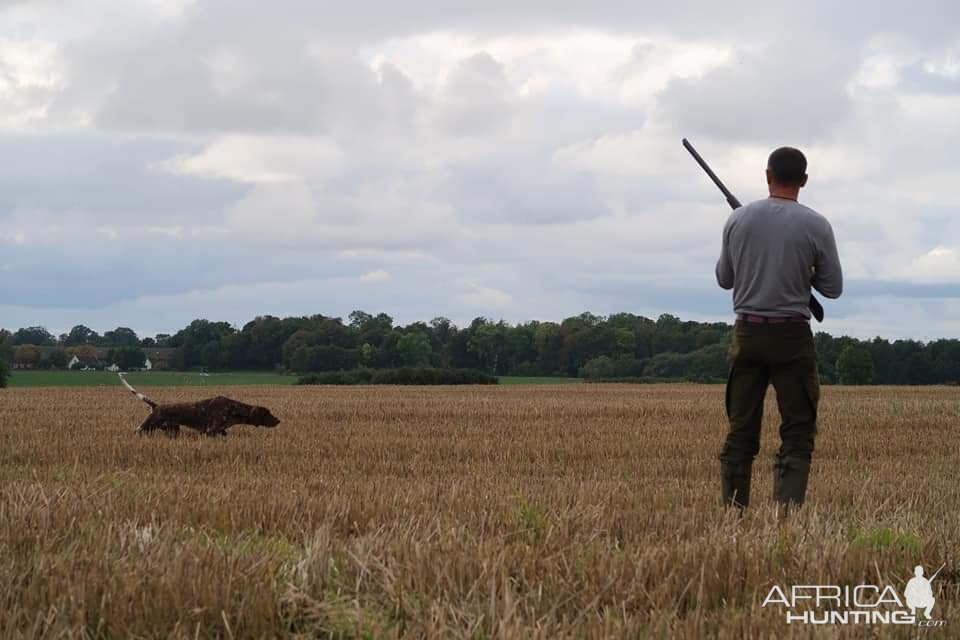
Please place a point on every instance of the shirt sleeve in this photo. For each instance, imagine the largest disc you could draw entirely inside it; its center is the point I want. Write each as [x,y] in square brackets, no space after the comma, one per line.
[828,275]
[724,269]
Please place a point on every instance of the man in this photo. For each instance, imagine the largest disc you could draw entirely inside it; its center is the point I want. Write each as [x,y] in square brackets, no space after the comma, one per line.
[773,251]
[919,593]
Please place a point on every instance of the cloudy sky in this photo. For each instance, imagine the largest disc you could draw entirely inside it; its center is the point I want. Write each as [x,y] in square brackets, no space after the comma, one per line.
[162,160]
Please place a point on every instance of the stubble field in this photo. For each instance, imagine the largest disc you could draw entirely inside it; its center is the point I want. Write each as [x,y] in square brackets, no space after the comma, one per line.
[512,512]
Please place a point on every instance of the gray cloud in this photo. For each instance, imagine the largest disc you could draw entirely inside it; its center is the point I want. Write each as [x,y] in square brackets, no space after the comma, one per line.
[280,87]
[113,178]
[910,290]
[183,161]
[791,89]
[477,97]
[521,189]
[917,78]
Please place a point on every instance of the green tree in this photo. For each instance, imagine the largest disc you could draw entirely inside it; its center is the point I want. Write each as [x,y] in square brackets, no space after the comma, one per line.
[414,349]
[197,335]
[485,342]
[599,367]
[442,333]
[884,361]
[211,355]
[549,344]
[374,330]
[81,335]
[121,337]
[322,358]
[624,341]
[624,366]
[920,368]
[367,354]
[946,360]
[6,346]
[127,358]
[296,343]
[33,335]
[708,364]
[58,358]
[6,355]
[27,355]
[520,345]
[855,365]
[265,337]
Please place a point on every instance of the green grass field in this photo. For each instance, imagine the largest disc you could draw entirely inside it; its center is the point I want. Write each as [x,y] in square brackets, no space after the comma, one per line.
[144,379]
[192,379]
[537,380]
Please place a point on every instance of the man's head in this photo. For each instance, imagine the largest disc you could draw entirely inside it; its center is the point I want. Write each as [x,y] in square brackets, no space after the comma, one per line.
[918,571]
[786,171]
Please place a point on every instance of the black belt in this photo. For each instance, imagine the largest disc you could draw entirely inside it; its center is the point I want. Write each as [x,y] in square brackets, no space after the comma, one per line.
[747,317]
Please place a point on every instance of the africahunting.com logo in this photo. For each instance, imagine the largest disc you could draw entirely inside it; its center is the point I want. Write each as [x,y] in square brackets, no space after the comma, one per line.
[860,604]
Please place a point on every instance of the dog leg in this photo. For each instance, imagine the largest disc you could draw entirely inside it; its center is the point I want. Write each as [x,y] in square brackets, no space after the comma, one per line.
[216,428]
[152,422]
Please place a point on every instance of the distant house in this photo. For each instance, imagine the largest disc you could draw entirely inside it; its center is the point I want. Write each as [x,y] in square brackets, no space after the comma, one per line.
[98,358]
[85,358]
[159,358]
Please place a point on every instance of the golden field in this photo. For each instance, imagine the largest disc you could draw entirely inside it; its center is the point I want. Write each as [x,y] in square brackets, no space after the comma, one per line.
[575,511]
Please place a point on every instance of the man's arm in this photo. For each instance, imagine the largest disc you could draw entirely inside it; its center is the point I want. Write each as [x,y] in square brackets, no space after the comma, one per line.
[724,268]
[828,275]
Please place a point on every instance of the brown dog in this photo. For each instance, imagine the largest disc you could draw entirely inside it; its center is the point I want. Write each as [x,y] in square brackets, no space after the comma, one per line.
[210,417]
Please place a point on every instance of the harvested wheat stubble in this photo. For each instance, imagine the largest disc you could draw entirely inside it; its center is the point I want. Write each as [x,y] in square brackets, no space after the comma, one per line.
[515,512]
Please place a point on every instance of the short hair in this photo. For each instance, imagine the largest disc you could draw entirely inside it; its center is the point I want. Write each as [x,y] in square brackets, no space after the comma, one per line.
[788,165]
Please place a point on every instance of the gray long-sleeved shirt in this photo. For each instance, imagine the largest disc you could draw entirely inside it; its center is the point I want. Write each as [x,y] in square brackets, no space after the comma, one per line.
[773,251]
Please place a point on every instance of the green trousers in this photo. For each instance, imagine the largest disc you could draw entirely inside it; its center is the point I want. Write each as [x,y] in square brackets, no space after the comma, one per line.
[782,355]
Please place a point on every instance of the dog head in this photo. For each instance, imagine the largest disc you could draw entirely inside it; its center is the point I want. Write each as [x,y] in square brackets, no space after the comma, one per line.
[261,417]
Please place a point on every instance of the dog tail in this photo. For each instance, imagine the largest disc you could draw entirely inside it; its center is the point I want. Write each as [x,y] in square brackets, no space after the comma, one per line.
[137,393]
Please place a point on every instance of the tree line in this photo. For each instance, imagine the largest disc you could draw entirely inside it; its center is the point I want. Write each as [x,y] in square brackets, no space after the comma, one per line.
[619,346]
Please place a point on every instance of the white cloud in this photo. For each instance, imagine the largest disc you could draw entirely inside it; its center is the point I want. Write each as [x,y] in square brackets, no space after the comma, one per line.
[598,65]
[262,159]
[30,75]
[378,275]
[171,232]
[940,264]
[171,9]
[484,298]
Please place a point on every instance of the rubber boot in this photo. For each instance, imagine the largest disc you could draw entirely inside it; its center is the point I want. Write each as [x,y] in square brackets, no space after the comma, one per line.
[735,483]
[790,480]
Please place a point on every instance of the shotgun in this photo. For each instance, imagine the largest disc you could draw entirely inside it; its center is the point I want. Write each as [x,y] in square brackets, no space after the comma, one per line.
[816,309]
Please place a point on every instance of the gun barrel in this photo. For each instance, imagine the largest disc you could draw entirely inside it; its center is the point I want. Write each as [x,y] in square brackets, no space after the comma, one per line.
[731,199]
[937,573]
